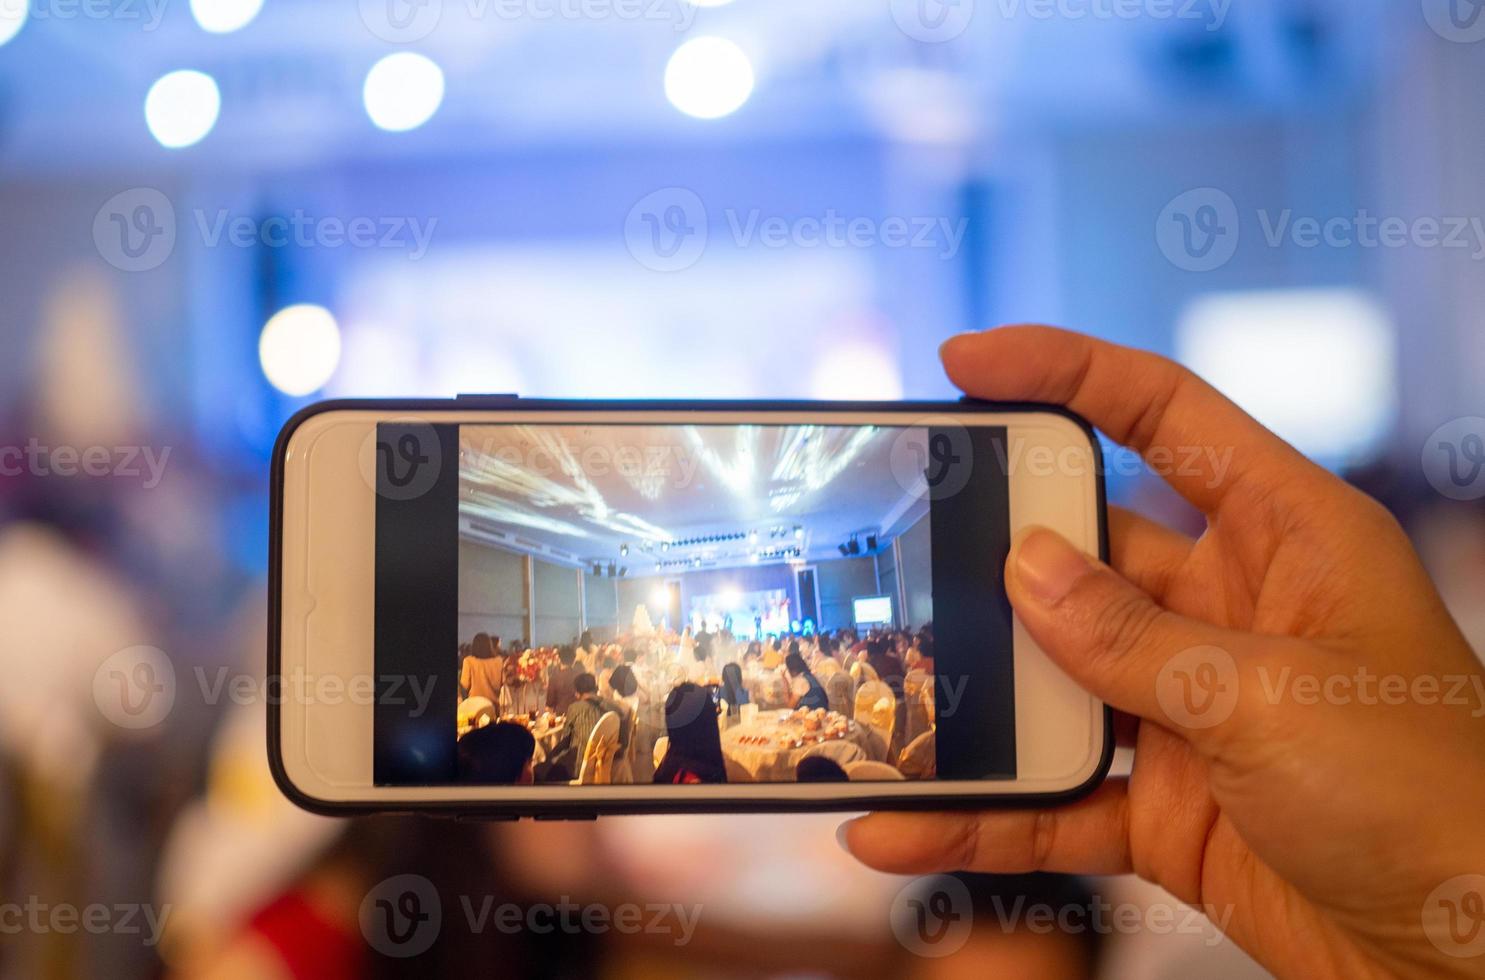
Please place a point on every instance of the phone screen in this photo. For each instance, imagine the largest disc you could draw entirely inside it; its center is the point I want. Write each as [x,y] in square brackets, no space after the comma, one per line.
[670,604]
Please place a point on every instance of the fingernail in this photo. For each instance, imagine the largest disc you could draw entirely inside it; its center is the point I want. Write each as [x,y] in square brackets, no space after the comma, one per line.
[1048,566]
[958,338]
[840,836]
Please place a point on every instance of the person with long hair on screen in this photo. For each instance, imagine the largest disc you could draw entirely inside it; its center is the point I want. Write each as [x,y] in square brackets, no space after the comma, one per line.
[733,691]
[695,752]
[483,672]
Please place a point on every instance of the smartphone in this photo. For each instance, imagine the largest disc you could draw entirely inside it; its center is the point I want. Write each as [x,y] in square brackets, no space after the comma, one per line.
[496,607]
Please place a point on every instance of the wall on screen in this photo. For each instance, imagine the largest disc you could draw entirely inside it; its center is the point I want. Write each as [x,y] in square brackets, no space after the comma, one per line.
[839,583]
[491,592]
[558,606]
[601,605]
[917,573]
[887,577]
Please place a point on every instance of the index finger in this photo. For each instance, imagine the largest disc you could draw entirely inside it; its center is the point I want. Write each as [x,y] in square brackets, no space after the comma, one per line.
[1197,440]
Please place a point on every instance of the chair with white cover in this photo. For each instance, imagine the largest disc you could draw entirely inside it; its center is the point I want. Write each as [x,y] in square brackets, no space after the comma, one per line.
[869,771]
[662,745]
[920,759]
[475,712]
[597,768]
[840,689]
[876,708]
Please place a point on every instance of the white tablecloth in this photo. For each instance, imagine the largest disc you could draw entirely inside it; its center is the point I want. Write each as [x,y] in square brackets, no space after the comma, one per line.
[774,761]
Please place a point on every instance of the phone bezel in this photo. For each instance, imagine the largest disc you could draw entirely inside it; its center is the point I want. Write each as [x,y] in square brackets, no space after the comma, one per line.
[588,808]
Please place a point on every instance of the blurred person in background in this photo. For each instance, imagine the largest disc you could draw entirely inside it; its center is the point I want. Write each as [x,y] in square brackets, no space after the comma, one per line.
[560,690]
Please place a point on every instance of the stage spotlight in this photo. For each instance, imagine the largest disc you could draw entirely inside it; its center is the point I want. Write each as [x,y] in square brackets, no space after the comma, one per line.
[708,77]
[613,570]
[696,562]
[623,571]
[597,570]
[660,597]
[871,542]
[845,551]
[623,549]
[664,545]
[224,16]
[854,546]
[181,108]
[752,537]
[299,348]
[402,91]
[799,534]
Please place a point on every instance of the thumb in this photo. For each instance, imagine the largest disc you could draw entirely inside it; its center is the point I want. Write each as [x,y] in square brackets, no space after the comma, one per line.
[1118,643]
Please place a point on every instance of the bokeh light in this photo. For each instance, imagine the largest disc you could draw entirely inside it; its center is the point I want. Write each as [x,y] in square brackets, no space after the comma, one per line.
[182,107]
[403,91]
[12,18]
[224,16]
[708,77]
[299,348]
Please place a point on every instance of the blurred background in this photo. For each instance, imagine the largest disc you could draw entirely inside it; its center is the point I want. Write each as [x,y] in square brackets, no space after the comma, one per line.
[216,211]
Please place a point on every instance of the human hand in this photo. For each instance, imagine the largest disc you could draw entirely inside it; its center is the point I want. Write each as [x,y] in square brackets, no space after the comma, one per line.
[1328,820]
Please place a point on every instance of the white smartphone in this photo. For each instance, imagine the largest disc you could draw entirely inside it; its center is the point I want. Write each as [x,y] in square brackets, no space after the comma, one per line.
[497,607]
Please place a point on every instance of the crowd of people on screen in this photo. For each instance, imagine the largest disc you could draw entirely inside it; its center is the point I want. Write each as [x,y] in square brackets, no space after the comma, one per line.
[655,707]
